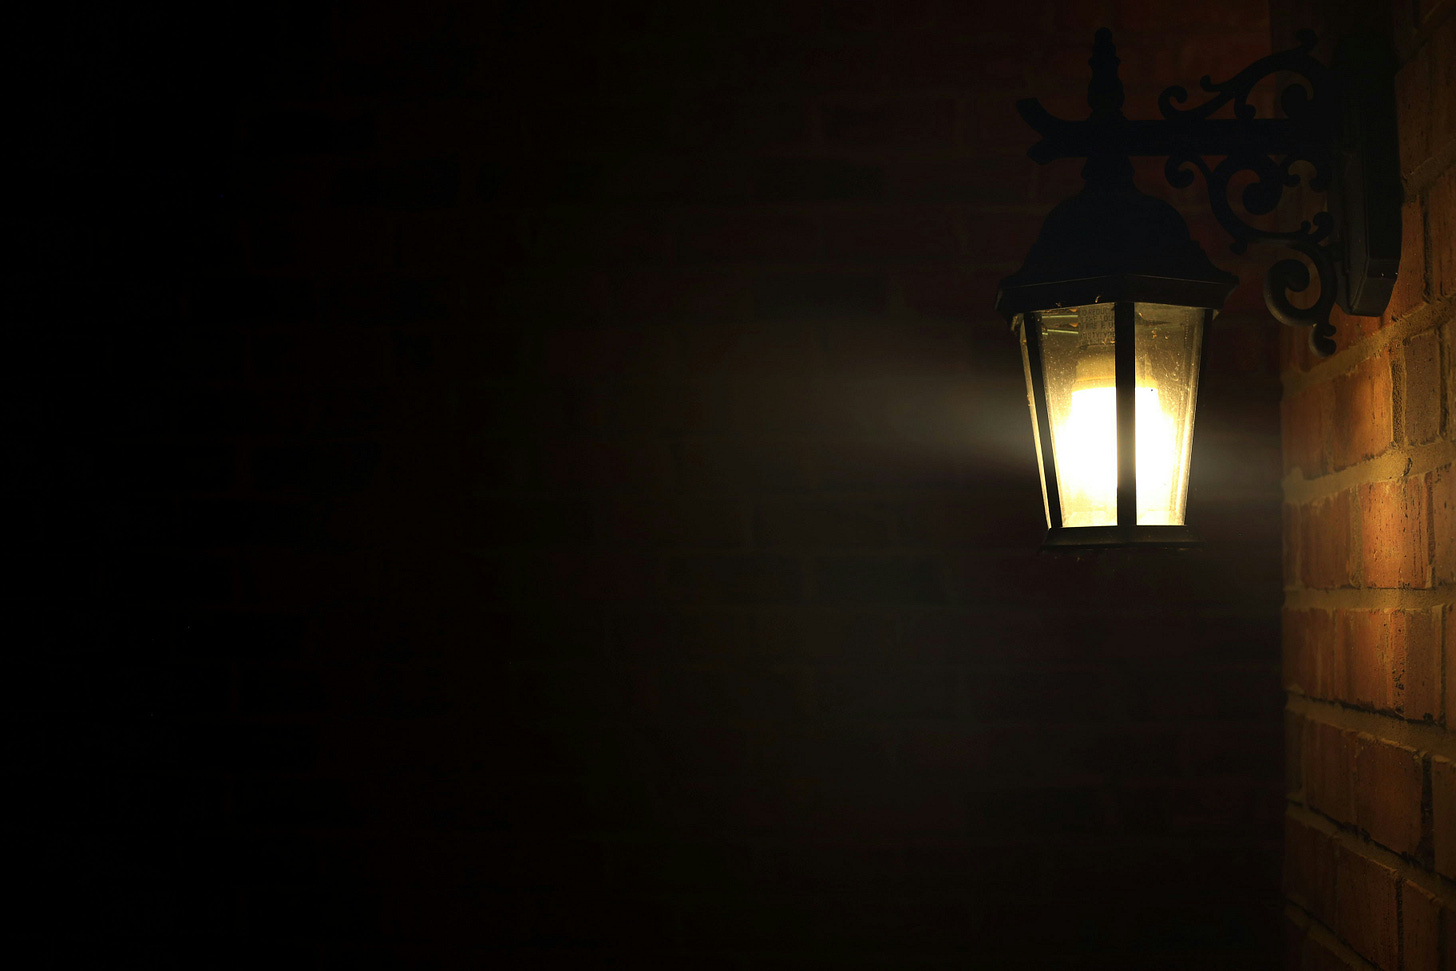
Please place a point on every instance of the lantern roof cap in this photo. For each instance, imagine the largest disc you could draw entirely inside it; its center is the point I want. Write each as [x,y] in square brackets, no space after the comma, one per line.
[1113,242]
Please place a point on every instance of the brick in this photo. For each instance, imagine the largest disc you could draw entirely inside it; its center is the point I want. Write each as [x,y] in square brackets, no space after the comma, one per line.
[1413,107]
[1326,559]
[1366,907]
[1442,47]
[1293,753]
[1393,661]
[1307,420]
[1389,779]
[1449,339]
[1309,869]
[1443,814]
[1351,330]
[1365,642]
[1297,668]
[1422,397]
[1363,412]
[1448,640]
[1443,523]
[1295,351]
[1415,640]
[1321,955]
[1329,774]
[1314,658]
[1441,224]
[1448,934]
[1420,925]
[1409,291]
[1394,540]
[1326,635]
[1291,544]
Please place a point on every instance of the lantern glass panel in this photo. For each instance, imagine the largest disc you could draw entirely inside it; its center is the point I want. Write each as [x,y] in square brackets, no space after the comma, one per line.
[1079,372]
[1169,342]
[1035,425]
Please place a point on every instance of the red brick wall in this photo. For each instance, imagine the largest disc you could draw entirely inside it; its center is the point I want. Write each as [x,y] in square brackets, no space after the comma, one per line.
[1370,547]
[564,500]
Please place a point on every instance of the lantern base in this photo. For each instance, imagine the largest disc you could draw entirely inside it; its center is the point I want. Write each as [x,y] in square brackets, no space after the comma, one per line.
[1078,537]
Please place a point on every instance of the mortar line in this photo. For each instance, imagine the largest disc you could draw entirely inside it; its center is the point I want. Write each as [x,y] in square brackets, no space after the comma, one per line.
[1371,598]
[1443,889]
[1397,463]
[1425,737]
[1428,316]
[1315,928]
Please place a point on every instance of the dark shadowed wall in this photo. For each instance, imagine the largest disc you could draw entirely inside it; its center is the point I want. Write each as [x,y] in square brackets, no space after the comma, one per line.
[547,487]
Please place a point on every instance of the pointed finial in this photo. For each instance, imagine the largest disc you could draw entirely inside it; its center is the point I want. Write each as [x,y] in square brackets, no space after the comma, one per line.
[1104,91]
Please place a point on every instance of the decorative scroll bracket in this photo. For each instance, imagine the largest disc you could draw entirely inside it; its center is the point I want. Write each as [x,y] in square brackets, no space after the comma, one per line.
[1340,122]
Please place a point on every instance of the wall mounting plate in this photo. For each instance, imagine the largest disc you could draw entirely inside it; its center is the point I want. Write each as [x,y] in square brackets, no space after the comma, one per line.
[1366,193]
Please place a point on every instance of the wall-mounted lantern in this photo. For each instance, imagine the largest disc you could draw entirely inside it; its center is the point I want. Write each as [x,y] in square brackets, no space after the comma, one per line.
[1115,300]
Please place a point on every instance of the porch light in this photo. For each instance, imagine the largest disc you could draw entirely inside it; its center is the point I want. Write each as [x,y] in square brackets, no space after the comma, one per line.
[1115,301]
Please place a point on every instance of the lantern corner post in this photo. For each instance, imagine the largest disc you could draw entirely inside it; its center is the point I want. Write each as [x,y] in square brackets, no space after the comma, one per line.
[1125,379]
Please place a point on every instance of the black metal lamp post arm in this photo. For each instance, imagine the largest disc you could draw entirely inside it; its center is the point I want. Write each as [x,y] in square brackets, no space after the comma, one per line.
[1316,131]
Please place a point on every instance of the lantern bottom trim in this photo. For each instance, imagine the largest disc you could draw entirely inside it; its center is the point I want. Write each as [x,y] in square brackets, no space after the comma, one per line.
[1073,537]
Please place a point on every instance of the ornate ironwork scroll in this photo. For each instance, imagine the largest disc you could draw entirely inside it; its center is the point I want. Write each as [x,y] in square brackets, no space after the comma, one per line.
[1272,149]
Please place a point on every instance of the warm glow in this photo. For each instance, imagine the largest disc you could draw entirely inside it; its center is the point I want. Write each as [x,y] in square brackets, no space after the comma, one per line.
[1087,458]
[1078,394]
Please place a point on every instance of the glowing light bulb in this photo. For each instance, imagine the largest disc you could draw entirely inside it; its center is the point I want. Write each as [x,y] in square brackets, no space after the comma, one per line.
[1086,444]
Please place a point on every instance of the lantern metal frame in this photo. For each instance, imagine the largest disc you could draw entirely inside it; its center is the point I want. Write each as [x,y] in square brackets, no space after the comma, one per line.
[1114,244]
